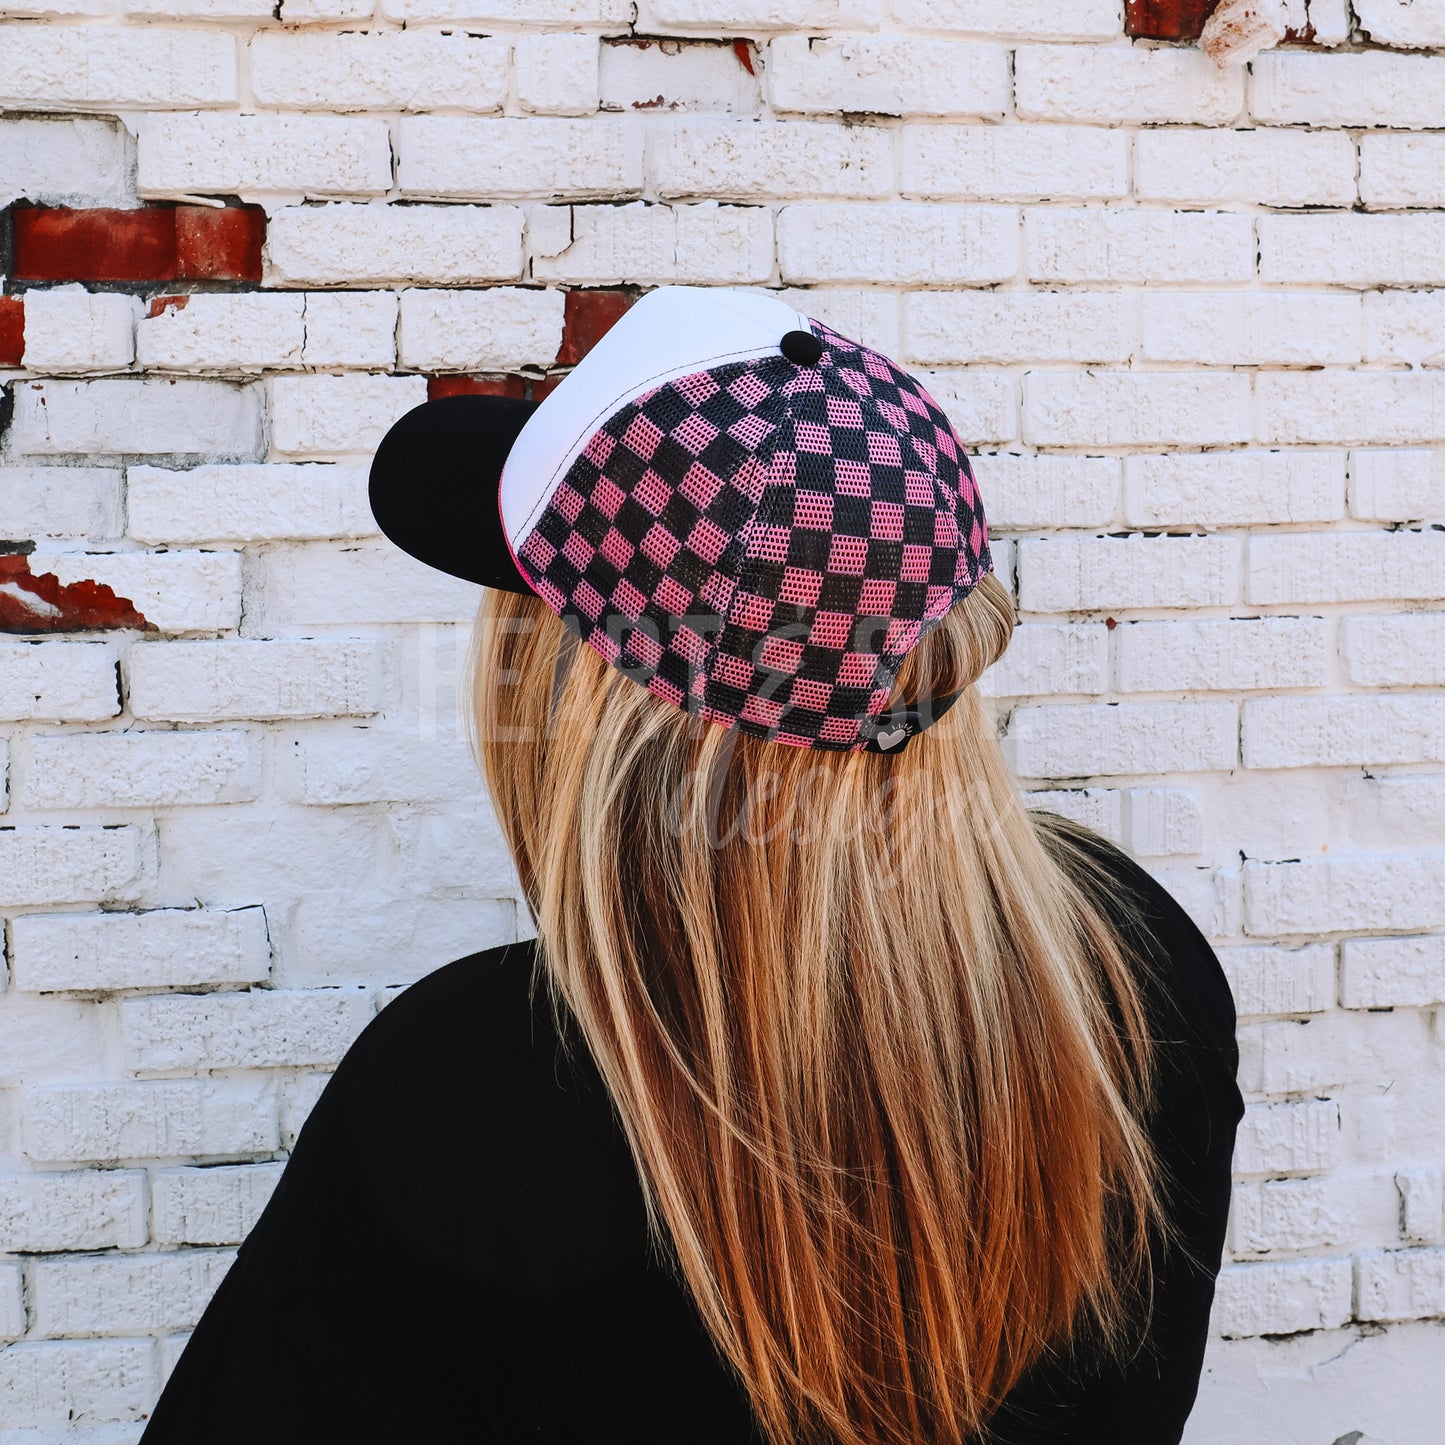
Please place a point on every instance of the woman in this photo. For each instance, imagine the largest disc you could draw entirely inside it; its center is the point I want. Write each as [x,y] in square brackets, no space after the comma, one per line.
[839,1100]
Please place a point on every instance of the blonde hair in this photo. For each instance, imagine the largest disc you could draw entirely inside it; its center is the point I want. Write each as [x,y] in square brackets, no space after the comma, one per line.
[880,1060]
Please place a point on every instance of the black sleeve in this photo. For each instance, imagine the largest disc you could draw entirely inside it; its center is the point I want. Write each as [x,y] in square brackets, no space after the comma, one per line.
[323,1330]
[456,1254]
[1147,1400]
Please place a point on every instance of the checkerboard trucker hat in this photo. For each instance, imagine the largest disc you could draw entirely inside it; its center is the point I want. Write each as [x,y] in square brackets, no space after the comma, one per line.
[751,515]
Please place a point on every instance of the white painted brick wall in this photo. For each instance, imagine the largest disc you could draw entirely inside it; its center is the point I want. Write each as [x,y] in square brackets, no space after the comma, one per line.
[1014,163]
[541,157]
[1288,1138]
[1397,22]
[356,585]
[1135,408]
[338,415]
[212,419]
[386,70]
[1233,328]
[1421,1194]
[141,770]
[1122,739]
[263,1028]
[1222,489]
[1114,84]
[151,67]
[901,244]
[1224,656]
[64,159]
[125,1294]
[888,75]
[69,329]
[1067,574]
[1162,821]
[177,591]
[1405,1284]
[658,245]
[1190,323]
[1089,243]
[263,155]
[1385,651]
[469,331]
[57,1383]
[1400,170]
[211,1206]
[1002,326]
[1367,89]
[160,1120]
[1393,972]
[1365,893]
[352,244]
[58,682]
[745,160]
[87,503]
[696,76]
[280,501]
[78,1209]
[1279,1215]
[209,681]
[1278,1299]
[1402,332]
[1346,566]
[159,947]
[557,74]
[68,864]
[1255,167]
[1352,250]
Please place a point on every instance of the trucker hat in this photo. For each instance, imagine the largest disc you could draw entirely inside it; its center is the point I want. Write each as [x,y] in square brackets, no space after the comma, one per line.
[752,516]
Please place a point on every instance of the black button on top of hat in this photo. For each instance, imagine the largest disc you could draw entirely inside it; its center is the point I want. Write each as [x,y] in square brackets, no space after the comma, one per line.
[801,346]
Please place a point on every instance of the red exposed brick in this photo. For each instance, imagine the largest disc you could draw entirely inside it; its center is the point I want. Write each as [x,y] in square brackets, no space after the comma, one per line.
[56,243]
[219,243]
[155,243]
[440,386]
[30,603]
[743,50]
[588,317]
[547,384]
[12,330]
[1167,19]
[161,304]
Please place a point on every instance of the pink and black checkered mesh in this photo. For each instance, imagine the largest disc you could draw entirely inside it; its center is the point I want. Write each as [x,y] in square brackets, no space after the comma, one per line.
[762,544]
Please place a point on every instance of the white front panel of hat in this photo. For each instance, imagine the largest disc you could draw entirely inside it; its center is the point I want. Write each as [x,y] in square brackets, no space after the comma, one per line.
[671,332]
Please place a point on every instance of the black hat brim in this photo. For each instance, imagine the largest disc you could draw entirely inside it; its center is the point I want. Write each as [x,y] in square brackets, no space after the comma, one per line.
[434,481]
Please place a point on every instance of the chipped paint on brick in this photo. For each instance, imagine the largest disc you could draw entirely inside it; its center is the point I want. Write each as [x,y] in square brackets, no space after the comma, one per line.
[440,386]
[31,602]
[1167,19]
[12,330]
[588,317]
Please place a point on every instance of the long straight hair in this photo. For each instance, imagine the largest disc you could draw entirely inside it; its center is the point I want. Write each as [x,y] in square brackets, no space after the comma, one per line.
[881,1062]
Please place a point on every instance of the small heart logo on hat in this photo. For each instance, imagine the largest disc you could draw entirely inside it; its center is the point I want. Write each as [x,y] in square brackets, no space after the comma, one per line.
[886,740]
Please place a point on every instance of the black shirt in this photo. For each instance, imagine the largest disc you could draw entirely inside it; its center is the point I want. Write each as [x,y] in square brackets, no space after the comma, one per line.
[457,1250]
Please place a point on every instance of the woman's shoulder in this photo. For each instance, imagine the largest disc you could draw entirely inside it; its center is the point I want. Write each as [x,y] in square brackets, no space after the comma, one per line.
[481,1136]
[476,1033]
[483,998]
